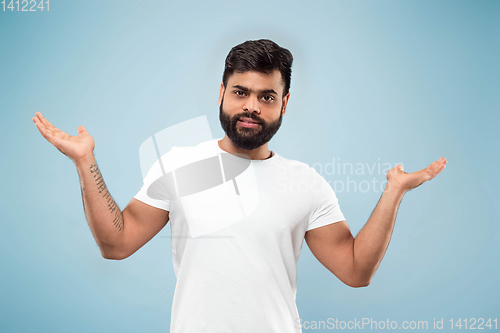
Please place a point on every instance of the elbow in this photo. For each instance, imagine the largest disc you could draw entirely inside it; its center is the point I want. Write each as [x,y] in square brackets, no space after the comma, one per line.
[355,280]
[112,255]
[112,258]
[115,256]
[359,282]
[110,252]
[360,278]
[109,256]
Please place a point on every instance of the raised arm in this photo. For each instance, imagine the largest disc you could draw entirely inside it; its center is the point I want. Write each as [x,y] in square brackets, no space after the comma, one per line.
[118,234]
[355,260]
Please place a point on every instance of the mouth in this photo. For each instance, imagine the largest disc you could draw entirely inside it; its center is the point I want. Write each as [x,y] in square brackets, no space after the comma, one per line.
[248,122]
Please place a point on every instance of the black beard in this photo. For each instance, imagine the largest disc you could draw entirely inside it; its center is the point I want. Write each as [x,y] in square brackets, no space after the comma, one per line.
[248,138]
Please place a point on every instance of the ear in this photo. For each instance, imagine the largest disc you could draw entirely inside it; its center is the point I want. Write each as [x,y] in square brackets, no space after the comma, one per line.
[221,92]
[285,102]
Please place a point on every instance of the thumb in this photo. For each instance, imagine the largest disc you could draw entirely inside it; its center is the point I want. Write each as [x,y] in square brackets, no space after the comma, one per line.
[81,130]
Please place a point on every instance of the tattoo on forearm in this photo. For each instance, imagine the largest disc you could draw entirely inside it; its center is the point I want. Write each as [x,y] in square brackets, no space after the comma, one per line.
[112,206]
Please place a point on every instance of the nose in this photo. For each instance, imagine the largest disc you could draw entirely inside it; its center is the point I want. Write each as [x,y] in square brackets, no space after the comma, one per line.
[251,105]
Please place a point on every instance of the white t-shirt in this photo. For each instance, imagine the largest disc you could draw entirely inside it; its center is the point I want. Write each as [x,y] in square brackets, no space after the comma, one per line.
[236,240]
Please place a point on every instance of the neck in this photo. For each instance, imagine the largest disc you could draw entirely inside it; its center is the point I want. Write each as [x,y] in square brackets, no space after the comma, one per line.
[260,153]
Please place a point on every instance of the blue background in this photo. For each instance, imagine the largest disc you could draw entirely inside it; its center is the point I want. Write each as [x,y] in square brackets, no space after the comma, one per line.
[373,82]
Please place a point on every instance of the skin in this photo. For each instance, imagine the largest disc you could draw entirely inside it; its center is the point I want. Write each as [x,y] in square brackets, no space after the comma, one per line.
[119,234]
[265,106]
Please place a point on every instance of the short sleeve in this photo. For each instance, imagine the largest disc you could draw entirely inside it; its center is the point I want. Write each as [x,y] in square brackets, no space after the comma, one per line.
[148,193]
[326,209]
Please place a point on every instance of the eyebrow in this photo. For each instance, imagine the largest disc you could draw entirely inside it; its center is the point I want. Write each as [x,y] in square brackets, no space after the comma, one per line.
[263,91]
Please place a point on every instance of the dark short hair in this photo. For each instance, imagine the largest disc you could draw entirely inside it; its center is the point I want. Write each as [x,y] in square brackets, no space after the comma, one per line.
[261,55]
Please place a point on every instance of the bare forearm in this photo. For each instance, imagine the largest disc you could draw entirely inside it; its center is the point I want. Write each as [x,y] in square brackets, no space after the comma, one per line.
[373,239]
[103,215]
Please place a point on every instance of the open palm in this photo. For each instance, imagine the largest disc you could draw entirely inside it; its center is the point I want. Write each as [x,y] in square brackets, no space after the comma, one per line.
[407,181]
[75,147]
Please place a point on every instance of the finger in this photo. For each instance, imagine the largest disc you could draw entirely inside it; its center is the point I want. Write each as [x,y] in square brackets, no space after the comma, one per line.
[46,123]
[439,165]
[41,128]
[82,130]
[400,169]
[39,124]
[50,129]
[434,169]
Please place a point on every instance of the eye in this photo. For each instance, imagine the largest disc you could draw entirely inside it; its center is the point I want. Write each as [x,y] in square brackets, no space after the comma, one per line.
[239,93]
[268,98]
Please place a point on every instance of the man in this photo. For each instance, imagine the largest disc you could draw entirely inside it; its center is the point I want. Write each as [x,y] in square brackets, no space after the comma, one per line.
[242,277]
